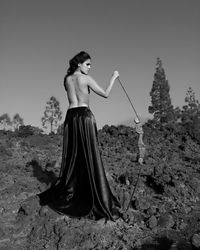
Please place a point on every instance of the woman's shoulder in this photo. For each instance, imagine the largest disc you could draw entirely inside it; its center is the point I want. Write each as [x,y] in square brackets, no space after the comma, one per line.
[84,78]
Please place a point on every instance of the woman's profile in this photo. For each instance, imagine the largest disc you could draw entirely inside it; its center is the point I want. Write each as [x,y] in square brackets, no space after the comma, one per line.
[82,188]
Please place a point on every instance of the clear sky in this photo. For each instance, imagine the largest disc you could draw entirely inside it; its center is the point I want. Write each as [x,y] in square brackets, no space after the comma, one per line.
[37,39]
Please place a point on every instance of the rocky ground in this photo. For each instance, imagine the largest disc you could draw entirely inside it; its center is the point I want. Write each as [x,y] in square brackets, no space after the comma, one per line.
[164,212]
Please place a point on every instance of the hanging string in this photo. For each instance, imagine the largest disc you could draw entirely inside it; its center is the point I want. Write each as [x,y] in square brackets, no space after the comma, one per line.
[138,120]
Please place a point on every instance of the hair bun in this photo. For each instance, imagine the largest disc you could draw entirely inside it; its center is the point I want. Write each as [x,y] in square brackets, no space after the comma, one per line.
[81,57]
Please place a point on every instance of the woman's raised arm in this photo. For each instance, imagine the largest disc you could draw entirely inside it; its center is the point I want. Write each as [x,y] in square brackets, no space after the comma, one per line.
[98,89]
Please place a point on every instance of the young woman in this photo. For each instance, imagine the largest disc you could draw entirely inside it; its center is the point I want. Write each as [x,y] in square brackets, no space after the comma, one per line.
[82,188]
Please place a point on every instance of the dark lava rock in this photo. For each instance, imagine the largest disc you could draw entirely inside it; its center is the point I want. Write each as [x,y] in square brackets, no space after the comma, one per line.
[142,204]
[152,210]
[196,240]
[166,221]
[164,213]
[152,221]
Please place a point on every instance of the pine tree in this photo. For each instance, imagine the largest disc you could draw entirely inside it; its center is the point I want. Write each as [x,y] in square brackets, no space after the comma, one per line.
[52,114]
[5,121]
[161,107]
[191,114]
[17,122]
[192,107]
[190,99]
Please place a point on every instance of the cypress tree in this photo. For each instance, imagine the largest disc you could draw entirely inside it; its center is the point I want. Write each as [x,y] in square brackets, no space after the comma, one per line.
[161,107]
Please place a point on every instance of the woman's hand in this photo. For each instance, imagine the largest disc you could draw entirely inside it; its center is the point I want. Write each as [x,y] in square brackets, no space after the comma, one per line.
[115,74]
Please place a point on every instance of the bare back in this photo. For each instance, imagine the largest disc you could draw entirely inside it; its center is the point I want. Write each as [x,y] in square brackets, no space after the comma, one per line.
[77,90]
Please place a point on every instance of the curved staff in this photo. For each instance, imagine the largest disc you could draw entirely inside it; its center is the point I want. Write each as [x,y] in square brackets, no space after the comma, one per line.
[141,144]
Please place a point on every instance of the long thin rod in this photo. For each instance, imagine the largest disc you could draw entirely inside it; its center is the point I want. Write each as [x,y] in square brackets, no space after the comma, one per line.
[133,192]
[128,98]
[138,177]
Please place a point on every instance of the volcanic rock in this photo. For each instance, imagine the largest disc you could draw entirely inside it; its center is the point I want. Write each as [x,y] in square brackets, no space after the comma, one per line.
[166,221]
[196,240]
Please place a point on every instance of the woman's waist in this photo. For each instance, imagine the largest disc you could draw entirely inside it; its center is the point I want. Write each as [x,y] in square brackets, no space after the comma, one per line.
[75,106]
[79,109]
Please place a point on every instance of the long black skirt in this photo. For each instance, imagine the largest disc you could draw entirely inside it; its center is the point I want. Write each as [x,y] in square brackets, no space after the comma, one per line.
[82,188]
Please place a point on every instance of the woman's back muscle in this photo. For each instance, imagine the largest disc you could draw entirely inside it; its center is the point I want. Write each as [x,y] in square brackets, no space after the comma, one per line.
[77,90]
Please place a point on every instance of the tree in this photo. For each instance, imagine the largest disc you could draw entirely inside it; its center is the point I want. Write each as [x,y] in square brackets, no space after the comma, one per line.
[192,107]
[60,129]
[161,107]
[190,116]
[190,99]
[17,122]
[5,121]
[52,114]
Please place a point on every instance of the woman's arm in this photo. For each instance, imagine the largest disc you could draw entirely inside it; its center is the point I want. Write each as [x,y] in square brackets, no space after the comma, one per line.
[99,90]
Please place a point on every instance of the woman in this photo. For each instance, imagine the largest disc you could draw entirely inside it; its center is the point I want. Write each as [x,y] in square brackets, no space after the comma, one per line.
[82,188]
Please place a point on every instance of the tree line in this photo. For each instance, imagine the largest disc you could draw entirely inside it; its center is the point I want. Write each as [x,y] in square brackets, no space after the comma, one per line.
[50,120]
[163,111]
[161,108]
[6,123]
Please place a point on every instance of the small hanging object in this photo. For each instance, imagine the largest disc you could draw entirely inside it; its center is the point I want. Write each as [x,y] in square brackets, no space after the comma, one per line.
[141,145]
[138,127]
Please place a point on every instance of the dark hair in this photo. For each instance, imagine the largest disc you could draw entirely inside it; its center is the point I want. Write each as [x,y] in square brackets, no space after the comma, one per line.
[81,57]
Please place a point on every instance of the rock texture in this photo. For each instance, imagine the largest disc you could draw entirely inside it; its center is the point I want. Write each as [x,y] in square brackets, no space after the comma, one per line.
[164,212]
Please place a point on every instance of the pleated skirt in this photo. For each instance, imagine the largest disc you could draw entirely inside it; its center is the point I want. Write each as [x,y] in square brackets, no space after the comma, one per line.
[82,188]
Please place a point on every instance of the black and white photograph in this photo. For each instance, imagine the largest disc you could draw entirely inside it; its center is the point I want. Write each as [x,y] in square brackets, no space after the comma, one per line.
[100,125]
